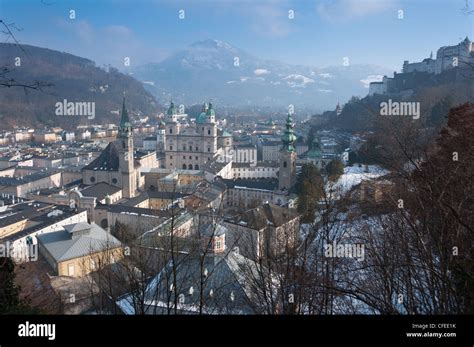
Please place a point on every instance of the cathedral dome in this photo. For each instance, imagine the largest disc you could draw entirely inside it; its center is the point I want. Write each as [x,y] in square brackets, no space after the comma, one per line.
[202,118]
[207,114]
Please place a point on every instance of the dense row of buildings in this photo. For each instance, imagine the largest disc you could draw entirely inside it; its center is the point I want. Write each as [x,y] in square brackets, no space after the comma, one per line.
[66,209]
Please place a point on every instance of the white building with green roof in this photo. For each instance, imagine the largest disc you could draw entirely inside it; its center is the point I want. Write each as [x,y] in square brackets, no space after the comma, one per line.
[189,146]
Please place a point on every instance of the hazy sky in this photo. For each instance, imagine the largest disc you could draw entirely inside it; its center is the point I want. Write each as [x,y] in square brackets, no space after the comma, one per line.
[321,33]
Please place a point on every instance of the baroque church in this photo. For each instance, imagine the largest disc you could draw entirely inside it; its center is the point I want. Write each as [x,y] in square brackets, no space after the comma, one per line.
[116,165]
[189,146]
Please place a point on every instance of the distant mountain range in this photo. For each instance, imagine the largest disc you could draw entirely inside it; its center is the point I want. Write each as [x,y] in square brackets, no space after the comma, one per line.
[217,71]
[74,79]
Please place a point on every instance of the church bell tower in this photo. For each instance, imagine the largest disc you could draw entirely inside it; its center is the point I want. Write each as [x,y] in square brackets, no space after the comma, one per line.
[287,173]
[125,148]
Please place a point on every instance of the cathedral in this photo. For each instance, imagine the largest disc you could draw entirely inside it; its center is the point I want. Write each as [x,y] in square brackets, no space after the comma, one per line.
[115,165]
[189,146]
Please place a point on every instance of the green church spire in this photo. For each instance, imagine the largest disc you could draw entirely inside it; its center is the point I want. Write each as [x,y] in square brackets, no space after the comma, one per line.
[125,128]
[171,109]
[289,137]
[210,110]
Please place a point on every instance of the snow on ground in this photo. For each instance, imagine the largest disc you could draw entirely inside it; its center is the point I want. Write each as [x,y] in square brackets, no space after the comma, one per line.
[353,175]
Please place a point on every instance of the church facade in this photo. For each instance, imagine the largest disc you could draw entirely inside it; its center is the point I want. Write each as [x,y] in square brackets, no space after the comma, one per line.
[189,146]
[116,165]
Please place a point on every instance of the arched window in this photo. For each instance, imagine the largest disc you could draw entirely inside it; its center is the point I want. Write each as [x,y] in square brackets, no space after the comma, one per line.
[284,164]
[196,167]
[190,166]
[184,166]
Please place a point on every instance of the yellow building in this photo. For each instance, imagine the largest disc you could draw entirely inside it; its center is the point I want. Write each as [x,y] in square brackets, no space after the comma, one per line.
[79,249]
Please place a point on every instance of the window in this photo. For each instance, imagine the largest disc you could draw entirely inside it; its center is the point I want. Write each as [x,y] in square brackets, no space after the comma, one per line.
[190,166]
[196,158]
[171,148]
[114,180]
[197,149]
[171,157]
[284,164]
[196,167]
[70,269]
[208,149]
[92,179]
[208,131]
[184,147]
[190,158]
[171,131]
[218,244]
[184,157]
[184,166]
[190,148]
